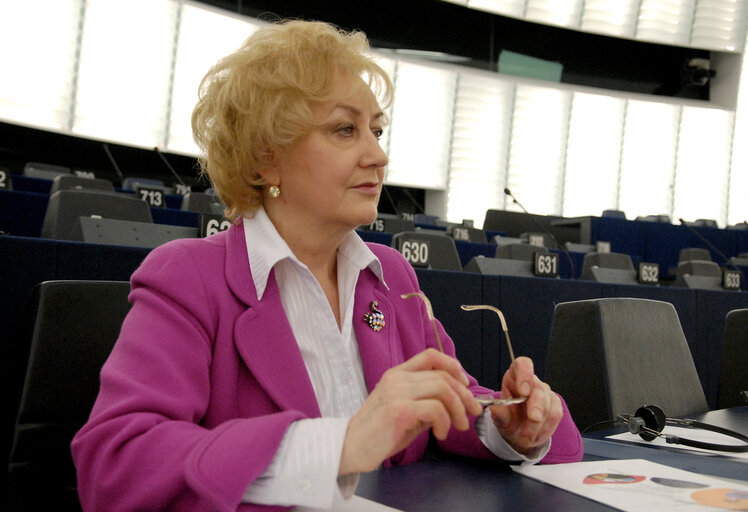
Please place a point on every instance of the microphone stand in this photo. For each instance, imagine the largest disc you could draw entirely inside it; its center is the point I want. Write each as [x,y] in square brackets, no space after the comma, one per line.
[114,163]
[714,248]
[544,230]
[169,166]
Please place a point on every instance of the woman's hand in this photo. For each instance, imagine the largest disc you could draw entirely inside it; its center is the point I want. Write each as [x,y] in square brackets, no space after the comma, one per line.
[527,425]
[427,391]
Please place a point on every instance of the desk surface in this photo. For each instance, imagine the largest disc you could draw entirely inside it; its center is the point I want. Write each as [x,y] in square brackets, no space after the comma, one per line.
[447,484]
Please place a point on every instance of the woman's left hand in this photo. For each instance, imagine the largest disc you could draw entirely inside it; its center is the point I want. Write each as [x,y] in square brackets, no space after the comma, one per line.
[530,424]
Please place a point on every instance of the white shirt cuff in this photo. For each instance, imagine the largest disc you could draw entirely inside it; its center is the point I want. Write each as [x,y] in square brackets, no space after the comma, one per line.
[490,437]
[304,470]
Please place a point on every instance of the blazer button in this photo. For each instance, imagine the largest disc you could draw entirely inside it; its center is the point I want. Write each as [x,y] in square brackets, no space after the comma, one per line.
[305,485]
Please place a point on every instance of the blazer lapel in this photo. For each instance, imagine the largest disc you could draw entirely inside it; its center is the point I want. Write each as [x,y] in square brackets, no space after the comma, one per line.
[263,336]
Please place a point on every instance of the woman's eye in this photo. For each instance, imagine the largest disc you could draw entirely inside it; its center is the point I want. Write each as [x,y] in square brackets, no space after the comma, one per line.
[378,132]
[346,129]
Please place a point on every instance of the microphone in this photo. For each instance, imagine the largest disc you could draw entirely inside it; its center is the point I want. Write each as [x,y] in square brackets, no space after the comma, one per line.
[114,162]
[713,247]
[544,230]
[185,188]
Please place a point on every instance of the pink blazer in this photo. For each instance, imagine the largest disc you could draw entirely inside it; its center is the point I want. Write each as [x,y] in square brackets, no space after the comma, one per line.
[204,380]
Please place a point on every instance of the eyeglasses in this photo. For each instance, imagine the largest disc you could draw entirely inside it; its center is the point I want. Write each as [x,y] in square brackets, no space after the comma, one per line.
[484,400]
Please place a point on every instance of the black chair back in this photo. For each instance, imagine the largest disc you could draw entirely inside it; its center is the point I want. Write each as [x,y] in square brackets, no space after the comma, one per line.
[608,267]
[440,253]
[73,182]
[525,252]
[65,207]
[467,234]
[733,375]
[44,171]
[611,356]
[75,327]
[201,202]
[698,274]
[694,253]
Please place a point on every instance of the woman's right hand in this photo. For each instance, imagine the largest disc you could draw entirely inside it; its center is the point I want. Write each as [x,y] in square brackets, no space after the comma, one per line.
[427,391]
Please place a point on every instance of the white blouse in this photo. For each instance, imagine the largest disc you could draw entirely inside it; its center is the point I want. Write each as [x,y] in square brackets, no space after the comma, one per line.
[305,468]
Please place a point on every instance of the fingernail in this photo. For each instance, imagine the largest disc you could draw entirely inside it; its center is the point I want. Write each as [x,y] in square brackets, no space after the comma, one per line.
[536,414]
[476,408]
[524,389]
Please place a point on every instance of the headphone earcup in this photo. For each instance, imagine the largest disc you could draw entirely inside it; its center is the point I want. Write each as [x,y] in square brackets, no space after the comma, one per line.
[654,419]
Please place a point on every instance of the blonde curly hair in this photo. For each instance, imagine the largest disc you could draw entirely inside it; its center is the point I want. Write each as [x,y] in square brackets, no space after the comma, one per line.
[257,101]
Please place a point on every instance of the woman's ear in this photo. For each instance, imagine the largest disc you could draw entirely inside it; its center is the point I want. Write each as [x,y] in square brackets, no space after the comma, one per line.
[268,168]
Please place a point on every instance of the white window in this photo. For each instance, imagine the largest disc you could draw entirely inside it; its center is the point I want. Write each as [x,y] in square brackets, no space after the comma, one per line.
[480,142]
[648,158]
[421,126]
[537,148]
[37,58]
[198,49]
[701,171]
[125,69]
[593,155]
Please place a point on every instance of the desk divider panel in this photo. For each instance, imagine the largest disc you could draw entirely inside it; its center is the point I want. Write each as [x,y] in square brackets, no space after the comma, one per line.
[447,291]
[468,250]
[22,213]
[626,236]
[528,305]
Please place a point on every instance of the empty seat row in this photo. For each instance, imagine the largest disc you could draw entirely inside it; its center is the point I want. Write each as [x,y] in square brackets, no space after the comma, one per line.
[513,256]
[111,218]
[99,231]
[200,202]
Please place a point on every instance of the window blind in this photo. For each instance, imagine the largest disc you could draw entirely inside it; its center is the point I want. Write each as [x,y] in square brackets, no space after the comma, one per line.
[124,72]
[537,148]
[612,17]
[707,24]
[719,24]
[38,59]
[665,21]
[648,158]
[565,13]
[593,154]
[195,54]
[421,126]
[480,143]
[703,160]
[514,8]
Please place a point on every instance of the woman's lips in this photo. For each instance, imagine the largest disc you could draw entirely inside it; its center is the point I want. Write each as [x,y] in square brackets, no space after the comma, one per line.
[369,188]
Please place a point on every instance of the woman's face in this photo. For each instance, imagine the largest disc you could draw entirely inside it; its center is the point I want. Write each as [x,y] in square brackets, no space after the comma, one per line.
[333,176]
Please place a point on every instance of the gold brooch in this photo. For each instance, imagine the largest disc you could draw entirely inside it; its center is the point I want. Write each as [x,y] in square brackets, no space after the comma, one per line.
[374,318]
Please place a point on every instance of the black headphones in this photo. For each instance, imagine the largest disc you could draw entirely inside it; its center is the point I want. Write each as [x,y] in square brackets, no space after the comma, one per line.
[649,420]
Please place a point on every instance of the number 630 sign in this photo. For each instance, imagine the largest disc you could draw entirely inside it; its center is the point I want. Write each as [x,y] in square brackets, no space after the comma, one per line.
[415,251]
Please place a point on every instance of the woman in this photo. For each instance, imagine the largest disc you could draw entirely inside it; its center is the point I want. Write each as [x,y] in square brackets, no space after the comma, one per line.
[272,363]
